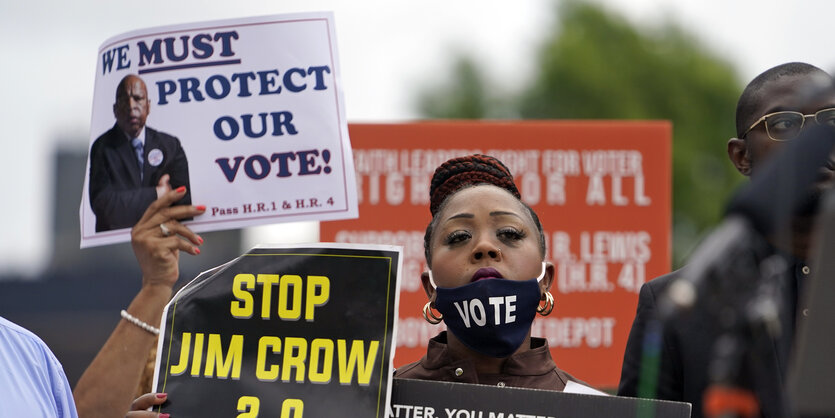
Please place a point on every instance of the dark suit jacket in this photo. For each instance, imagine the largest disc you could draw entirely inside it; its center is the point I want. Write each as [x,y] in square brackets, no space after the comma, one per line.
[117,196]
[682,349]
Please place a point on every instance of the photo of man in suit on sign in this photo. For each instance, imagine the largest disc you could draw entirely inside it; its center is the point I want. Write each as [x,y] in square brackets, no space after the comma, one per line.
[131,165]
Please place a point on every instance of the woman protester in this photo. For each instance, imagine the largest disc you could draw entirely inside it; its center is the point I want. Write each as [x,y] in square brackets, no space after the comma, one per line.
[485,251]
[487,277]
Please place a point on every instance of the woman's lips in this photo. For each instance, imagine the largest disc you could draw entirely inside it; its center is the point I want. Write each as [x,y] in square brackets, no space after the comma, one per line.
[486,273]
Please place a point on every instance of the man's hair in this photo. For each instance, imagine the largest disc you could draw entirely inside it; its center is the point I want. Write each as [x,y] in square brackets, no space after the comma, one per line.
[751,96]
[469,171]
[120,89]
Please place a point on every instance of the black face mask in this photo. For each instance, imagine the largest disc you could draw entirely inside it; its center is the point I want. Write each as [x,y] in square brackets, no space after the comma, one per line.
[490,316]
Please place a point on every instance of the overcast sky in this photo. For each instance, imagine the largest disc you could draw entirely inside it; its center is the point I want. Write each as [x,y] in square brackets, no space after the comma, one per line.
[388,49]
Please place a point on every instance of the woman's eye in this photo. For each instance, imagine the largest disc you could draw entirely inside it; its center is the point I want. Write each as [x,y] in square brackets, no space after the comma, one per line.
[511,234]
[456,237]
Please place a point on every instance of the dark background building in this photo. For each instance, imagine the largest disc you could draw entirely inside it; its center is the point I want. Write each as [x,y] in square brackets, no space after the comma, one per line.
[74,304]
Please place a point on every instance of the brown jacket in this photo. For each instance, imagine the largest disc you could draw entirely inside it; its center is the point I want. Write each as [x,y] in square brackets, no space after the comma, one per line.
[532,369]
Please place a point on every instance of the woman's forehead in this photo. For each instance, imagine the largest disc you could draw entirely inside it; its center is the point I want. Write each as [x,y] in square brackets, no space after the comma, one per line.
[482,197]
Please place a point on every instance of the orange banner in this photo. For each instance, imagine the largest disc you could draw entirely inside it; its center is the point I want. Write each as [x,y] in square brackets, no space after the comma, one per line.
[601,188]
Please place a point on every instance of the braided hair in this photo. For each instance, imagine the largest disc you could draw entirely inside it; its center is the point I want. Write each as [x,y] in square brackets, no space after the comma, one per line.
[463,172]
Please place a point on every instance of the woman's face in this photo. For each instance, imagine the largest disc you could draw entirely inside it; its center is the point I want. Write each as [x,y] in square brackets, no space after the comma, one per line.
[484,232]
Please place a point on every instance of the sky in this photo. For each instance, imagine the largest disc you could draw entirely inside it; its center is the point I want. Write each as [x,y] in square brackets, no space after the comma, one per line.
[388,50]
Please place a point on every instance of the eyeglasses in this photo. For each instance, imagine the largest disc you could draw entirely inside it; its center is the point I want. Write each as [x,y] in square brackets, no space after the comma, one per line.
[786,125]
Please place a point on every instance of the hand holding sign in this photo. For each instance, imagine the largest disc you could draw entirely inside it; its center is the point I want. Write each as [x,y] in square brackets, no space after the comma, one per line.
[140,405]
[109,383]
[156,239]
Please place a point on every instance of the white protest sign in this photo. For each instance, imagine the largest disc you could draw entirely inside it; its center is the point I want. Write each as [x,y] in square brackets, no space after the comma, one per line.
[247,114]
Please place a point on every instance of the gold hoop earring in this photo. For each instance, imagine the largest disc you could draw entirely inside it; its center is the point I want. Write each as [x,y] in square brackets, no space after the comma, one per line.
[427,314]
[548,307]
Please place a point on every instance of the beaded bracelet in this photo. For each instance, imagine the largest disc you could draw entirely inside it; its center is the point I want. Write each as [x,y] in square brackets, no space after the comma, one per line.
[139,323]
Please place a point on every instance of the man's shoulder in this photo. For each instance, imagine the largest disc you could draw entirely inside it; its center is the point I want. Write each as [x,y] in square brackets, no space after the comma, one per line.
[110,137]
[35,372]
[660,283]
[160,136]
[11,328]
[21,338]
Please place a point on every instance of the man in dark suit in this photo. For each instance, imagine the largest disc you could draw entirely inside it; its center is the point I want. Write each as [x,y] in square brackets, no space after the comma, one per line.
[131,165]
[671,360]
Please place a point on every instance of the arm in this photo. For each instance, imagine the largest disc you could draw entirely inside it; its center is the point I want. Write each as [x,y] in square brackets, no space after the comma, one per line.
[647,369]
[631,368]
[61,393]
[108,385]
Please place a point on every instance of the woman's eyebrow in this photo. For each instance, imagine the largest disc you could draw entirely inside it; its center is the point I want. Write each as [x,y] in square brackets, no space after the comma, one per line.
[504,213]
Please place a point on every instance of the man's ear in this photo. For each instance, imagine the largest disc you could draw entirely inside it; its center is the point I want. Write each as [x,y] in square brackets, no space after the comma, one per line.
[427,286]
[739,155]
[548,278]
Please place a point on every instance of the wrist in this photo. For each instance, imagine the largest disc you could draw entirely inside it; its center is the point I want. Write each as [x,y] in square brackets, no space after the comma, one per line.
[157,288]
[139,323]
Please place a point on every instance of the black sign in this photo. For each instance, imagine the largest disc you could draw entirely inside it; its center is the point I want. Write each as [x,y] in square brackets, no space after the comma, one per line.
[428,399]
[283,332]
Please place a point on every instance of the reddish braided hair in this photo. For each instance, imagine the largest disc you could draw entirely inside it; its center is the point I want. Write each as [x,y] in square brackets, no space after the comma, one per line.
[471,170]
[460,172]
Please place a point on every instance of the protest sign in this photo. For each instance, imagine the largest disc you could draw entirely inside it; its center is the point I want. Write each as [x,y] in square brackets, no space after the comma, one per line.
[601,189]
[247,114]
[428,399]
[283,331]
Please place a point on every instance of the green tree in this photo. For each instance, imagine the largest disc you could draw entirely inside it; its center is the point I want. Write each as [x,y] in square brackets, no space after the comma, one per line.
[597,65]
[465,99]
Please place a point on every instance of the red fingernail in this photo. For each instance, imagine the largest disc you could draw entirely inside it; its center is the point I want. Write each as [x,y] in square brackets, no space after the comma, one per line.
[197,251]
[200,207]
[161,395]
[164,415]
[181,189]
[199,238]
